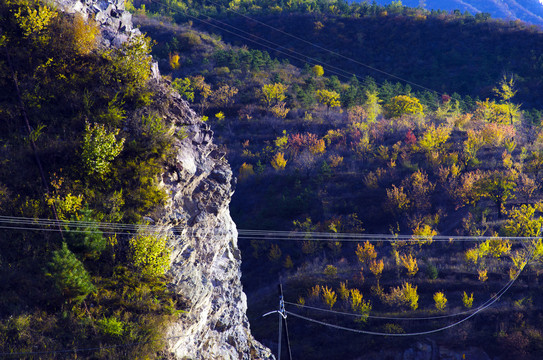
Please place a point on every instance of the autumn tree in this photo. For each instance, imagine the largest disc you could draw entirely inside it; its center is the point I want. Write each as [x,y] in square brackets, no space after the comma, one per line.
[366,252]
[434,139]
[343,291]
[467,300]
[483,275]
[404,296]
[34,20]
[424,233]
[150,254]
[376,268]
[372,106]
[330,271]
[131,64]
[359,305]
[397,200]
[317,70]
[410,264]
[403,105]
[308,141]
[329,98]
[506,91]
[85,34]
[419,190]
[173,61]
[497,186]
[329,296]
[472,145]
[224,95]
[100,147]
[280,110]
[490,111]
[440,300]
[278,162]
[246,171]
[184,88]
[204,91]
[273,94]
[522,221]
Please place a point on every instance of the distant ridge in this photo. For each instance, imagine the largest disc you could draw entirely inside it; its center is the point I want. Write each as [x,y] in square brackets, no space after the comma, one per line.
[530,11]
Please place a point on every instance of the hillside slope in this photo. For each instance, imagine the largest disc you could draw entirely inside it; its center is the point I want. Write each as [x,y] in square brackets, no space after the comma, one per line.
[530,11]
[434,183]
[142,260]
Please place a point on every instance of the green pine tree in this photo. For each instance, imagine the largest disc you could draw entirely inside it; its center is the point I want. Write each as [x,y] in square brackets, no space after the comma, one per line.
[70,275]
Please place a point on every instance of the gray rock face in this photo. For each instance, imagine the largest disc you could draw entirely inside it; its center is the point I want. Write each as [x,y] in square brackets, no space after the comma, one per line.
[205,261]
[115,22]
[205,257]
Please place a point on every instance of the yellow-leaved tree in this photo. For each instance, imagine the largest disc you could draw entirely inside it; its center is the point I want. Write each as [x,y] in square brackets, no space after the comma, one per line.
[85,34]
[329,98]
[467,300]
[245,171]
[440,300]
[403,105]
[273,94]
[150,254]
[317,70]
[33,17]
[100,147]
[366,252]
[329,296]
[410,264]
[278,162]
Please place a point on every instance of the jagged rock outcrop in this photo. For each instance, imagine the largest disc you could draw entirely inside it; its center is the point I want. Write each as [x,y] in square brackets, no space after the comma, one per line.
[114,21]
[205,267]
[205,259]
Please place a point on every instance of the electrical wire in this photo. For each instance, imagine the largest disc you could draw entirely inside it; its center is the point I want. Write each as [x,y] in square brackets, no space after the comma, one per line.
[328,50]
[401,318]
[303,59]
[367,332]
[354,237]
[37,224]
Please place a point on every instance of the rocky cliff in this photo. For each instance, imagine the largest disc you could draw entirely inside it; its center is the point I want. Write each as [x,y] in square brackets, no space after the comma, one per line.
[205,261]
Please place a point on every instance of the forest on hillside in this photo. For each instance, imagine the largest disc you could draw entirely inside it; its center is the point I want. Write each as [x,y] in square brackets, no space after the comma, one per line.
[446,166]
[82,142]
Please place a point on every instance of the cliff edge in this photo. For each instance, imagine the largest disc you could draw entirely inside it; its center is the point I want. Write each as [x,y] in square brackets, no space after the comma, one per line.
[205,260]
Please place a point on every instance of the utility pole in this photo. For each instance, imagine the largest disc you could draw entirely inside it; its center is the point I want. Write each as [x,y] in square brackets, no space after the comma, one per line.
[282,324]
[283,318]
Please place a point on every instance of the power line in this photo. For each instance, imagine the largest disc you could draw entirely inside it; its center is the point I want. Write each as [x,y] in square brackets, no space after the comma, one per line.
[377,333]
[38,224]
[329,51]
[401,318]
[22,223]
[356,237]
[367,332]
[303,59]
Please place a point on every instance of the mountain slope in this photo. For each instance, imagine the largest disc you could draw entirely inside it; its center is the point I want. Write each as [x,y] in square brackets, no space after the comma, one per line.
[92,136]
[526,10]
